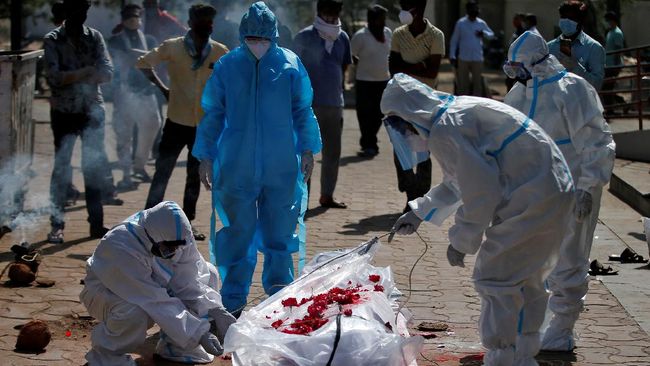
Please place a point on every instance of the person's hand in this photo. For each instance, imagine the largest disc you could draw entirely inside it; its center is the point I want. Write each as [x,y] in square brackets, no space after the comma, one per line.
[453,62]
[85,73]
[211,344]
[407,224]
[222,320]
[307,164]
[205,173]
[479,33]
[455,258]
[584,204]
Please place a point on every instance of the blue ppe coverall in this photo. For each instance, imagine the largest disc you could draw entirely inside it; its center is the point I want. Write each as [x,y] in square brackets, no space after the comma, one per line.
[258,121]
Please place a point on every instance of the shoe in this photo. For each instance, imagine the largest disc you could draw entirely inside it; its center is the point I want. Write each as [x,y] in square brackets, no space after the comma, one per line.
[126,185]
[368,153]
[55,236]
[142,176]
[98,232]
[330,202]
[112,201]
[197,234]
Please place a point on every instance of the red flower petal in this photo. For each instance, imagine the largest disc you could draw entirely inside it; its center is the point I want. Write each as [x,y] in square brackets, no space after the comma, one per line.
[374,278]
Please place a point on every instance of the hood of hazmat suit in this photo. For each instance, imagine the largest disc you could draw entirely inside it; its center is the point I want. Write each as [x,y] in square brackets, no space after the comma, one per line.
[258,121]
[510,188]
[175,293]
[568,108]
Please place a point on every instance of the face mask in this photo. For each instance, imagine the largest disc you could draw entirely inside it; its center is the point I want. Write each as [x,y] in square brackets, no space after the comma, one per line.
[258,48]
[405,17]
[568,26]
[516,70]
[164,249]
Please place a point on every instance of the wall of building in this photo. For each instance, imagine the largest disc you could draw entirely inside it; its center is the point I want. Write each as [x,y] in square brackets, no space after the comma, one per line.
[634,23]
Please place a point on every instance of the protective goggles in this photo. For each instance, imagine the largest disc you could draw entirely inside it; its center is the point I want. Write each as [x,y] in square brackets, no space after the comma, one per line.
[515,70]
[410,148]
[164,249]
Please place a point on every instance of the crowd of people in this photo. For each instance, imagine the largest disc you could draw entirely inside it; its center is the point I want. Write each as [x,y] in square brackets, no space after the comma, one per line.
[254,106]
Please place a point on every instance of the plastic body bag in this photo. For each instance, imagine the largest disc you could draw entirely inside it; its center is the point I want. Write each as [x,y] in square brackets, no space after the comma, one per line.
[367,336]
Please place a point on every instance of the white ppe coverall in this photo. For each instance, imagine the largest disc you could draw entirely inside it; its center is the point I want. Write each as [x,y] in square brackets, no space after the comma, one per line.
[513,186]
[568,108]
[128,289]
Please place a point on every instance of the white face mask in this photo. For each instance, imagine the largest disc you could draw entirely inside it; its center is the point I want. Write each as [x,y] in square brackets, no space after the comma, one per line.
[258,47]
[405,17]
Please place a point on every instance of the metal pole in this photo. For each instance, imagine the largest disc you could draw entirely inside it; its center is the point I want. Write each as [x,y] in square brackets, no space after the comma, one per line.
[639,88]
[16,25]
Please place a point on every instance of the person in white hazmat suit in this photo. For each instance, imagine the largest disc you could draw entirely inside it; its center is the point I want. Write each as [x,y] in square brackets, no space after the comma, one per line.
[510,188]
[148,270]
[568,108]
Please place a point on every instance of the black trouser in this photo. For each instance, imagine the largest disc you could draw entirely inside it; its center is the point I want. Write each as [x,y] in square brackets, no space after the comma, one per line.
[609,99]
[414,182]
[174,138]
[369,112]
[66,127]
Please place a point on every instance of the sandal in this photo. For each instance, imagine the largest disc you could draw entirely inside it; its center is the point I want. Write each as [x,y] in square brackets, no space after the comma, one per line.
[198,236]
[598,269]
[628,256]
[55,236]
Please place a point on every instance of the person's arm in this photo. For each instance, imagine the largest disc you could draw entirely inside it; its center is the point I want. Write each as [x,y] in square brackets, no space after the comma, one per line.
[347,56]
[453,45]
[213,122]
[55,76]
[356,45]
[304,122]
[590,136]
[153,58]
[190,282]
[396,63]
[131,279]
[487,32]
[594,68]
[437,204]
[480,192]
[103,65]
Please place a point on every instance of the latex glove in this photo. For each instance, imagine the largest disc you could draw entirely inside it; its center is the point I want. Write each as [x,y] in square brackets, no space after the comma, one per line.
[205,173]
[211,344]
[407,224]
[455,258]
[584,203]
[307,164]
[222,320]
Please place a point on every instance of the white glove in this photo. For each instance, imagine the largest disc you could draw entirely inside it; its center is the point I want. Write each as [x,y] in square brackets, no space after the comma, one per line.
[307,164]
[205,173]
[455,258]
[211,344]
[407,224]
[222,319]
[584,203]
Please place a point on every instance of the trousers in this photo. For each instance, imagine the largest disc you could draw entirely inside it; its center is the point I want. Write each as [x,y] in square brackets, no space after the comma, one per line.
[330,121]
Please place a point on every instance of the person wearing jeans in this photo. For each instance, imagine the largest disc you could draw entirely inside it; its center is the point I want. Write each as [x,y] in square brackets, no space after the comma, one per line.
[77,62]
[190,60]
[325,51]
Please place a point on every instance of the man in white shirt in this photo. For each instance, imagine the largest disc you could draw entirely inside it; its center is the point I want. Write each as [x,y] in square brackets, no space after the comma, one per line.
[370,50]
[466,50]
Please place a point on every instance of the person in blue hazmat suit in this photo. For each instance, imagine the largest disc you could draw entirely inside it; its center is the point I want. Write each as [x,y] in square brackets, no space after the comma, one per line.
[510,188]
[148,270]
[568,108]
[256,144]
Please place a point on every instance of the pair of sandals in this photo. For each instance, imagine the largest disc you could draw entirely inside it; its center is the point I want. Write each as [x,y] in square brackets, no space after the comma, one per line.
[627,256]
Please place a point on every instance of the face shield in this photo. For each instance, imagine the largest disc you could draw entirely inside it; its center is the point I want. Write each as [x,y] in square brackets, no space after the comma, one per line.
[410,148]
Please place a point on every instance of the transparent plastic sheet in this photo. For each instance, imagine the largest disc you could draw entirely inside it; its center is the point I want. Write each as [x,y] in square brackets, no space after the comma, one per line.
[369,336]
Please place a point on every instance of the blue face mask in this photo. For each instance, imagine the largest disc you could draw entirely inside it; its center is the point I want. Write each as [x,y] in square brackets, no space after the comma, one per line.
[568,26]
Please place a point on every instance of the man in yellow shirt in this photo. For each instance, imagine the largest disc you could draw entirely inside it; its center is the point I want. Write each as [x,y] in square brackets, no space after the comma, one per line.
[189,60]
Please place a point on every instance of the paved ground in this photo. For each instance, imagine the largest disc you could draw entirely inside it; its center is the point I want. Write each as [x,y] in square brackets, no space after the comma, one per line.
[609,334]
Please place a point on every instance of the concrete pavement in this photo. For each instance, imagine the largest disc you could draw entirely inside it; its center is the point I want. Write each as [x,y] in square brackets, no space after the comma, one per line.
[609,328]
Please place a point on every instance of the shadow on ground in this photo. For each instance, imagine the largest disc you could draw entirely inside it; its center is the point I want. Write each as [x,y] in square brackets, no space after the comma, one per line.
[373,223]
